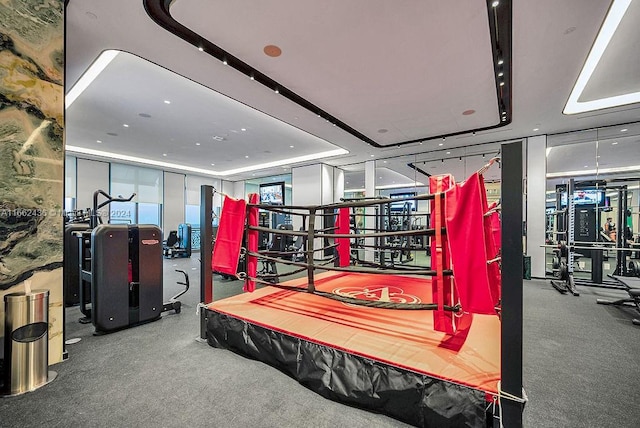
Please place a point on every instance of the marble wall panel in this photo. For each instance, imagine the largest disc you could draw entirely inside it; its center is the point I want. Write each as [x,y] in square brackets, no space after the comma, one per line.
[32,154]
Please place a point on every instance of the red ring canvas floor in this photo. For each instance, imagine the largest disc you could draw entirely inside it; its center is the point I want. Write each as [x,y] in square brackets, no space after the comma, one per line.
[401,338]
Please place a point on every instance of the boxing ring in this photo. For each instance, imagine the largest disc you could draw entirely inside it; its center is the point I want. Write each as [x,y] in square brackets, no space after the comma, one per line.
[420,344]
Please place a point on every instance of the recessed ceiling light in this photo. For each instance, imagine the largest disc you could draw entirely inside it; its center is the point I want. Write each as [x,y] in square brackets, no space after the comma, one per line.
[272,50]
[501,83]
[536,129]
[224,62]
[614,143]
[98,141]
[213,164]
[624,130]
[164,154]
[291,147]
[614,16]
[125,125]
[277,91]
[197,144]
[586,166]
[500,74]
[372,155]
[448,153]
[420,142]
[495,3]
[200,49]
[246,157]
[384,161]
[167,102]
[252,78]
[243,129]
[500,61]
[441,144]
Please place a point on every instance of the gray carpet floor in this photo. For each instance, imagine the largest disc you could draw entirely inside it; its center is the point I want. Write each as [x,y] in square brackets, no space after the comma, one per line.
[580,370]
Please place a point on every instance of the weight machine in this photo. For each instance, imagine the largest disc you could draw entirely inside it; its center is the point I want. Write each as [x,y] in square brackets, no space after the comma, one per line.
[119,272]
[563,269]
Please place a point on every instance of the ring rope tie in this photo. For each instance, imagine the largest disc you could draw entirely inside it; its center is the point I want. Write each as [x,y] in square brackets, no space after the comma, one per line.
[502,394]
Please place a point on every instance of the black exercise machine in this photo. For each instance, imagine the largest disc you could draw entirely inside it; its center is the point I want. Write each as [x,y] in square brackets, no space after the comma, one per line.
[564,255]
[120,266]
[76,221]
[632,287]
[563,275]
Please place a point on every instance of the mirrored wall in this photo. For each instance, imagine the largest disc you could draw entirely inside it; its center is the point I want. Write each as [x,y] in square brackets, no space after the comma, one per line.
[401,177]
[603,167]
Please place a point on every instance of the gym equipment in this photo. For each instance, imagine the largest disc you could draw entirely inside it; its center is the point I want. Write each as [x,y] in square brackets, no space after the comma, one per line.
[564,257]
[121,267]
[564,281]
[76,222]
[632,287]
[173,303]
[178,243]
[71,273]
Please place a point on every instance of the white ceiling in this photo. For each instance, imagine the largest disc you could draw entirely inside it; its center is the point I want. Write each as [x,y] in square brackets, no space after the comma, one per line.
[408,67]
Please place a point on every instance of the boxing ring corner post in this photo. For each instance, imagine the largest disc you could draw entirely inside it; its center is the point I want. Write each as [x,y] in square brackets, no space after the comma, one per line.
[206,249]
[512,283]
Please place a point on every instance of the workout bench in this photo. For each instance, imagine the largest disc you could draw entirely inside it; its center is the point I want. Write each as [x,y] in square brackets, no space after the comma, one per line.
[632,286]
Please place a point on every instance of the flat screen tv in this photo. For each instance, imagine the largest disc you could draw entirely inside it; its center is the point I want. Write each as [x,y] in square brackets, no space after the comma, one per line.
[399,206]
[272,193]
[586,197]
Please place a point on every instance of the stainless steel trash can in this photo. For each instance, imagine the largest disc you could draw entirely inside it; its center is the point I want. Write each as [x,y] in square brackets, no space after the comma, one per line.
[26,341]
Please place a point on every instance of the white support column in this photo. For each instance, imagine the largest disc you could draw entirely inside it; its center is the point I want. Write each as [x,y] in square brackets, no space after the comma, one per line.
[238,190]
[317,184]
[535,216]
[369,192]
[338,184]
[174,201]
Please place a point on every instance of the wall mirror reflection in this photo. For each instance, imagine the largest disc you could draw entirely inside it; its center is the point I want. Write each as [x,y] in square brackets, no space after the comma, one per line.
[592,201]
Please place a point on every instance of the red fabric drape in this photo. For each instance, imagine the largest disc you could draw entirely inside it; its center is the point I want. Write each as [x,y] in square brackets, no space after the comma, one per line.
[252,243]
[344,244]
[466,237]
[226,251]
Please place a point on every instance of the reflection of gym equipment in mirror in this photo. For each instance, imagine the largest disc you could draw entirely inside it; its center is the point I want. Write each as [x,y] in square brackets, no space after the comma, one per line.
[395,214]
[564,281]
[576,222]
[564,255]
